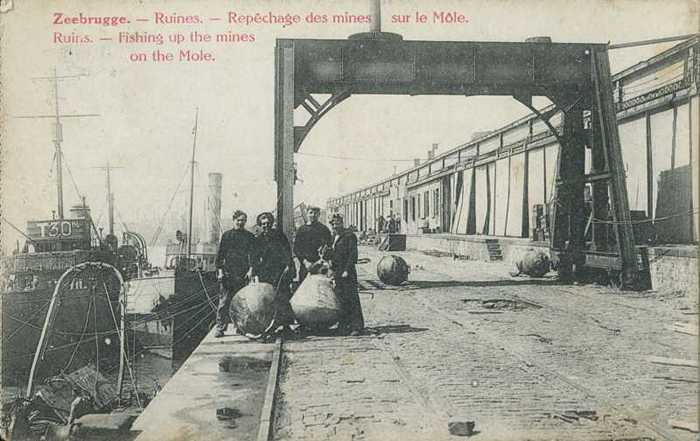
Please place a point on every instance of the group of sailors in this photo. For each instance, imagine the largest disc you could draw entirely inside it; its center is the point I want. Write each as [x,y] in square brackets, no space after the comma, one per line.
[268,258]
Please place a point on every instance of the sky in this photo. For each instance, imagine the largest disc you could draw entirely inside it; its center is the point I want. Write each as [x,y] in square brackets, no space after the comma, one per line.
[147,110]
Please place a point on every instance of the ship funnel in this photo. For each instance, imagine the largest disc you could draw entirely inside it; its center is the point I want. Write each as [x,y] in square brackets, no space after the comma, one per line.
[214,208]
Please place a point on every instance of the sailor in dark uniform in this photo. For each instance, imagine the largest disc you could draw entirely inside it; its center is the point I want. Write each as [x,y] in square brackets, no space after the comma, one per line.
[343,256]
[310,239]
[233,266]
[273,264]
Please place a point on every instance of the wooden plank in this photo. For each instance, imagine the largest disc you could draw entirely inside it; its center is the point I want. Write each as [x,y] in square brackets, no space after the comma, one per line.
[673,361]
[685,425]
[267,416]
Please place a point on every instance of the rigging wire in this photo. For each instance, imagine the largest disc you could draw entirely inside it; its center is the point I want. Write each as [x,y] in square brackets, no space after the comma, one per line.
[75,185]
[206,293]
[121,221]
[17,229]
[176,342]
[47,184]
[203,308]
[110,369]
[646,221]
[160,224]
[53,161]
[24,324]
[101,333]
[82,335]
[122,351]
[103,209]
[97,351]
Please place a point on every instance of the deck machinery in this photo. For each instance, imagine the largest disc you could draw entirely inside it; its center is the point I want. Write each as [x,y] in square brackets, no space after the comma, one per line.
[574,76]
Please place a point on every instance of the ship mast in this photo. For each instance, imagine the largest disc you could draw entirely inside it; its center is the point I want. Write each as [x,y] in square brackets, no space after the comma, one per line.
[58,133]
[110,203]
[110,196]
[189,221]
[58,137]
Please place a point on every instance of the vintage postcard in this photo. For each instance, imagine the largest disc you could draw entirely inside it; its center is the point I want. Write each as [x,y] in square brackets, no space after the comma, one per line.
[349,220]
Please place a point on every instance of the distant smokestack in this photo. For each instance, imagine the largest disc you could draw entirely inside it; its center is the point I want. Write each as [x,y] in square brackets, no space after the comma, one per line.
[214,208]
[431,154]
[416,162]
[435,147]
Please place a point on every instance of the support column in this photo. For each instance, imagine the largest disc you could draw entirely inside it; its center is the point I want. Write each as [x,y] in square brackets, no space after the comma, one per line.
[570,222]
[525,227]
[599,189]
[650,167]
[284,135]
[618,188]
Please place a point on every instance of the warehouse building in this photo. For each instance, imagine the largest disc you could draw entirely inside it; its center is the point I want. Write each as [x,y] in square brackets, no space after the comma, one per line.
[499,187]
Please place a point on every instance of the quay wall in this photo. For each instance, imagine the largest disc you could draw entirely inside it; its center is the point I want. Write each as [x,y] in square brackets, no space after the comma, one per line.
[673,269]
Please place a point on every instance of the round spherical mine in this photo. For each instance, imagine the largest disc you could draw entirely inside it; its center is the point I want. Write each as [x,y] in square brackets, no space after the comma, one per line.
[534,263]
[315,303]
[392,270]
[253,308]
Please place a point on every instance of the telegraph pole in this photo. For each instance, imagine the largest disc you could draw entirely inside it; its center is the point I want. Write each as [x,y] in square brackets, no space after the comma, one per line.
[58,133]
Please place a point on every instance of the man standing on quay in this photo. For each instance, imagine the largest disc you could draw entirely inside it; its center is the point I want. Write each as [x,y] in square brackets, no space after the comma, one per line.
[273,263]
[233,266]
[309,241]
[343,256]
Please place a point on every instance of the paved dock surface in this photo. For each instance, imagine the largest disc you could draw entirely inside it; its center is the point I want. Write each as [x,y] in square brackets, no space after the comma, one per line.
[462,342]
[522,358]
[217,394]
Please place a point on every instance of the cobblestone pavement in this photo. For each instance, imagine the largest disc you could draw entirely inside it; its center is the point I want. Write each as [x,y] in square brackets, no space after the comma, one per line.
[522,358]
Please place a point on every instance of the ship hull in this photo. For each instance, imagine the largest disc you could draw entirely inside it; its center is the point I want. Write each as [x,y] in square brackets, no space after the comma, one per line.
[84,328]
[170,316]
[194,303]
[150,321]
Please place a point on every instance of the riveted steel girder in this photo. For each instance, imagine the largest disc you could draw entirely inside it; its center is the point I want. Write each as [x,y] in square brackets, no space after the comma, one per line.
[440,67]
[575,76]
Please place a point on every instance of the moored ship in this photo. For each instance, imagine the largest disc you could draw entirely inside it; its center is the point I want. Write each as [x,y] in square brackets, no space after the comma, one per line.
[83,325]
[172,312]
[61,293]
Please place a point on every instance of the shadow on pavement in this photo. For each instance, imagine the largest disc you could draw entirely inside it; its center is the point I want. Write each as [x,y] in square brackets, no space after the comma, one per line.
[428,284]
[394,329]
[369,330]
